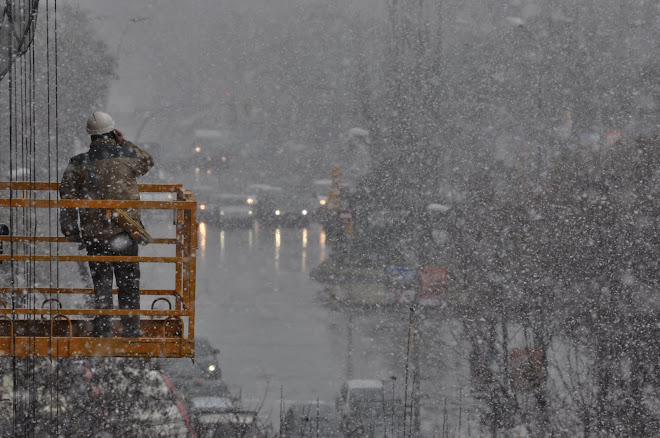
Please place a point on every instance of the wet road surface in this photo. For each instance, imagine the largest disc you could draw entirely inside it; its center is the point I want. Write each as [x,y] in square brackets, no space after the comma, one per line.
[277,331]
[257,303]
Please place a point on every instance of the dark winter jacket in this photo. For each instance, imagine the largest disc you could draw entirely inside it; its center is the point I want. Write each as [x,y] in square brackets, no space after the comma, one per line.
[117,168]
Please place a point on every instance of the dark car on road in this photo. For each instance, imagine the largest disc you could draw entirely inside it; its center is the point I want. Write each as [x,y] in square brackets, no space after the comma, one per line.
[227,209]
[284,210]
[207,359]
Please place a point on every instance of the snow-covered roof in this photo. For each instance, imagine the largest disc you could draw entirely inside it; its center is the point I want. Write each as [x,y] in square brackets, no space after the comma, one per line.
[219,403]
[264,187]
[307,403]
[364,384]
[438,207]
[237,196]
[208,133]
[358,132]
[516,21]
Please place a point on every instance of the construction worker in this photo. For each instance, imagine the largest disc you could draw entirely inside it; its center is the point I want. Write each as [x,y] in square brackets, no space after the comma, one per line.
[109,170]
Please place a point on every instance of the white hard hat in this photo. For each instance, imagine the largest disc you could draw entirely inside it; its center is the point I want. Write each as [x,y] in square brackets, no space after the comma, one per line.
[100,123]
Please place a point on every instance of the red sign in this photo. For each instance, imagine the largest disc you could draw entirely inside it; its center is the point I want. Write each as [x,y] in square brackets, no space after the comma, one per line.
[611,137]
[346,216]
[433,281]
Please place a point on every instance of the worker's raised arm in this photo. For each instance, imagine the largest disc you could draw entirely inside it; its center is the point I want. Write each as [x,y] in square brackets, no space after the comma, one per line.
[143,162]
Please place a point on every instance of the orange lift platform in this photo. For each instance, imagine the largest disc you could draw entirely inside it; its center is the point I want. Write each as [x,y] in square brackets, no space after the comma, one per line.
[54,331]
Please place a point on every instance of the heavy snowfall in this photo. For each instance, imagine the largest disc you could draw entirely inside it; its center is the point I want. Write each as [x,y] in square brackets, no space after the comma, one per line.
[414,218]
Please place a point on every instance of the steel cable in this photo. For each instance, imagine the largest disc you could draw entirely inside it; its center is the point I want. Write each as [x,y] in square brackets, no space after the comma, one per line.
[57,178]
[10,89]
[22,133]
[54,396]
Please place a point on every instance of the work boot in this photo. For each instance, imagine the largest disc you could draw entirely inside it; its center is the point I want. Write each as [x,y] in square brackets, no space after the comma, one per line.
[131,327]
[102,327]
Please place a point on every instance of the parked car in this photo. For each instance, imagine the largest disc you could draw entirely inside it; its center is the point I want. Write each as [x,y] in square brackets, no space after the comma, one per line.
[212,421]
[144,399]
[192,379]
[361,408]
[214,412]
[211,406]
[183,373]
[208,413]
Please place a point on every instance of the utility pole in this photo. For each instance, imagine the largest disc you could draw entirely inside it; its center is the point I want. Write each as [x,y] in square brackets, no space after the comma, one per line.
[349,347]
[412,373]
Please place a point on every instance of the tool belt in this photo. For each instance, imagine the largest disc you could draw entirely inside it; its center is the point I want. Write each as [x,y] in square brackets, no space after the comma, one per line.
[134,228]
[119,216]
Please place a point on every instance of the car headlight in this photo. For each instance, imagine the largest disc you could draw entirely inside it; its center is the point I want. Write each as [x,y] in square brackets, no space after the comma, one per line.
[211,368]
[304,212]
[250,212]
[250,201]
[198,149]
[222,213]
[202,207]
[322,201]
[277,212]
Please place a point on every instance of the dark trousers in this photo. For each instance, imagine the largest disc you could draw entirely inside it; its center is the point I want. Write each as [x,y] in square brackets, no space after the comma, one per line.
[127,276]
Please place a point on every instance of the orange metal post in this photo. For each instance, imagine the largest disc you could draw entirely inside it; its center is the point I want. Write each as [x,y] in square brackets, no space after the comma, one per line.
[193,227]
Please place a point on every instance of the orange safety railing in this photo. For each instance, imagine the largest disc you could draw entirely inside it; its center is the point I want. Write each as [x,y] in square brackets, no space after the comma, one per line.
[52,330]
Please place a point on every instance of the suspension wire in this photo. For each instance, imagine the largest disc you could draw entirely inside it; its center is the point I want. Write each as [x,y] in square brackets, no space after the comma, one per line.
[54,389]
[29,361]
[57,178]
[32,149]
[10,89]
[57,147]
[32,217]
[20,225]
[22,117]
[20,140]
[53,98]
[22,129]
[20,176]
[50,224]
[24,298]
